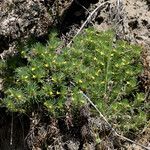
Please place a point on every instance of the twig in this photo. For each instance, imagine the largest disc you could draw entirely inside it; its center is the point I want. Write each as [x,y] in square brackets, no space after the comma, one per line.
[82,6]
[118,11]
[84,9]
[87,20]
[103,117]
[147,94]
[11,130]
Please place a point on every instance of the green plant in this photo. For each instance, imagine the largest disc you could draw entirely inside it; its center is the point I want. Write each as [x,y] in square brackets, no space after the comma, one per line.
[106,71]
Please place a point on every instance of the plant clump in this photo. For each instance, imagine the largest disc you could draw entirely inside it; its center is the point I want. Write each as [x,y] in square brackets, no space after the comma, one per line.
[104,70]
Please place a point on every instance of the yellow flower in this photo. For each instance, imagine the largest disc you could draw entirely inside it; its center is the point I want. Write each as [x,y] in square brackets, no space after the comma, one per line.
[123,60]
[53,79]
[11,95]
[53,61]
[33,68]
[34,76]
[102,63]
[57,93]
[122,63]
[81,41]
[102,82]
[26,77]
[99,71]
[82,101]
[124,46]
[116,65]
[49,106]
[128,82]
[95,58]
[111,55]
[80,81]
[50,93]
[96,73]
[102,53]
[114,50]
[46,65]
[19,96]
[22,52]
[128,72]
[93,77]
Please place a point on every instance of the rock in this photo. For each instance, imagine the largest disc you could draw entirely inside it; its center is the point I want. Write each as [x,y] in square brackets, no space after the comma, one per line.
[72,144]
[22,19]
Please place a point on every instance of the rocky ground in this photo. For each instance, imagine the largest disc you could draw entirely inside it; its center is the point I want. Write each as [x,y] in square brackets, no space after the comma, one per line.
[21,20]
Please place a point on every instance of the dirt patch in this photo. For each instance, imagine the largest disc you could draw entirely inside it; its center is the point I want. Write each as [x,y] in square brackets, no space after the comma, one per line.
[70,132]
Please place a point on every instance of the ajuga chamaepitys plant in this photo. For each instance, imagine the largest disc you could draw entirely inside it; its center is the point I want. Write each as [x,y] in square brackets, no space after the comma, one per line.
[105,70]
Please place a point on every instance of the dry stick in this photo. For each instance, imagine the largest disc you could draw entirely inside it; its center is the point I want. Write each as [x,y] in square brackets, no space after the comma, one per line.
[82,6]
[11,130]
[84,9]
[87,20]
[101,115]
[147,94]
